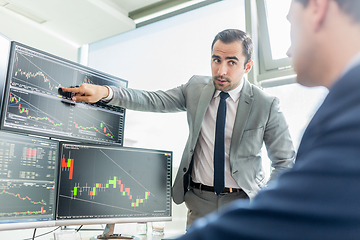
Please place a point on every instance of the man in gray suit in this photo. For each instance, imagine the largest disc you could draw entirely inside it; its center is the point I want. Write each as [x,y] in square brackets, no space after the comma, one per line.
[252,118]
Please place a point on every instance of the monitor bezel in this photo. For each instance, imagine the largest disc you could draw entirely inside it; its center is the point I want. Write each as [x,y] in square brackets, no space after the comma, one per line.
[92,221]
[27,225]
[52,135]
[5,49]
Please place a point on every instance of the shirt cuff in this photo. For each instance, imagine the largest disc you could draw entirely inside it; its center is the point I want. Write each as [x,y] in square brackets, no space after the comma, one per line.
[110,96]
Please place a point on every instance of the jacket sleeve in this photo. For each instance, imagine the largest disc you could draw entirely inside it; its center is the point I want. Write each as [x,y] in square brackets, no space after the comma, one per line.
[172,100]
[278,141]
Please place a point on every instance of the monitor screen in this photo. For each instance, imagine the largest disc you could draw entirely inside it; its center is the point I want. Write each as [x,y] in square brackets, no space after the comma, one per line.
[112,184]
[33,102]
[28,181]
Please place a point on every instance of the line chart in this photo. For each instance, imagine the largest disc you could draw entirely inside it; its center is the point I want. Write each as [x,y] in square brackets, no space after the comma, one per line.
[42,202]
[27,212]
[25,200]
[33,73]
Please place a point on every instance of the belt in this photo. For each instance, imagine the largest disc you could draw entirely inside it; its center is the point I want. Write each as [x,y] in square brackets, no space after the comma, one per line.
[211,189]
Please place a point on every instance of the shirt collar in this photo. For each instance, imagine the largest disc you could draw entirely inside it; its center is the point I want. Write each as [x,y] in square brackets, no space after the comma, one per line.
[234,94]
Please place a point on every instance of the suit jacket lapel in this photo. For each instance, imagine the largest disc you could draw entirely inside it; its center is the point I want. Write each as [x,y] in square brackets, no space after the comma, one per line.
[242,114]
[203,104]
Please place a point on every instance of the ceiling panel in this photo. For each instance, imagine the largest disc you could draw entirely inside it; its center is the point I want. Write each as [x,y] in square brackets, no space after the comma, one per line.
[79,21]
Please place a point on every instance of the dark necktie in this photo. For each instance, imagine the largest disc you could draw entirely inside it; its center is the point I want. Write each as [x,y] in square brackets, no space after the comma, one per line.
[219,148]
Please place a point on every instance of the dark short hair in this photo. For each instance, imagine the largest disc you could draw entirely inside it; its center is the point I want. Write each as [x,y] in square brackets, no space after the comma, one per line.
[350,7]
[231,35]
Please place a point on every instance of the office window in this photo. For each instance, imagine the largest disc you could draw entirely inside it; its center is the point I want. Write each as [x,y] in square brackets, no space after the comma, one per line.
[298,104]
[279,27]
[274,34]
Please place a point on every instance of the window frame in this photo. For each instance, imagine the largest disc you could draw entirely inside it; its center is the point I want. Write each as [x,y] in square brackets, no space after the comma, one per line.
[268,63]
[280,71]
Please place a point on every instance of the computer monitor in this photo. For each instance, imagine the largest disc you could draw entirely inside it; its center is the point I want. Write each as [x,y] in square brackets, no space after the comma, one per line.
[28,181]
[33,104]
[101,184]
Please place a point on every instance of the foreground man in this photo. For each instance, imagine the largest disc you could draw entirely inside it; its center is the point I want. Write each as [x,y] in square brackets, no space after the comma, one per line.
[318,198]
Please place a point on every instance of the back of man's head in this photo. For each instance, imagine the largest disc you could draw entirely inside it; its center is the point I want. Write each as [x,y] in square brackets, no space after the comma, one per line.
[350,7]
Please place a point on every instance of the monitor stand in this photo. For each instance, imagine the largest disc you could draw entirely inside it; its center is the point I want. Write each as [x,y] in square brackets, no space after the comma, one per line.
[109,234]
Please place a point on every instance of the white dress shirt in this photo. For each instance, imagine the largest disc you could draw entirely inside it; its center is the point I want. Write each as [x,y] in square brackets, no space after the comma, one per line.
[203,168]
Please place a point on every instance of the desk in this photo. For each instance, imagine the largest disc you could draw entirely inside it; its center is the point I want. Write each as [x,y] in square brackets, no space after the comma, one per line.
[130,229]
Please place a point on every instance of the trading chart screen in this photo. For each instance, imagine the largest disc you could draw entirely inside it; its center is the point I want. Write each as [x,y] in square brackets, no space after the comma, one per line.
[33,103]
[106,182]
[28,178]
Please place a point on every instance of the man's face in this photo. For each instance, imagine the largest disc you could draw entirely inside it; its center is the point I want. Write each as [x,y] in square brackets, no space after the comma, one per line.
[302,46]
[227,65]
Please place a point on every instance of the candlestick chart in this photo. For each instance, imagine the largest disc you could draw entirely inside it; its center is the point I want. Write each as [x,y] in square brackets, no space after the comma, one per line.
[34,104]
[32,110]
[89,121]
[111,181]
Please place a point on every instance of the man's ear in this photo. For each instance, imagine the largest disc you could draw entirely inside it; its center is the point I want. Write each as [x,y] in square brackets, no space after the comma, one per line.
[319,10]
[248,66]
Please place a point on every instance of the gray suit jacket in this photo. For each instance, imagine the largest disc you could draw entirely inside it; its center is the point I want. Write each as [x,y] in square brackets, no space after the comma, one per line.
[258,120]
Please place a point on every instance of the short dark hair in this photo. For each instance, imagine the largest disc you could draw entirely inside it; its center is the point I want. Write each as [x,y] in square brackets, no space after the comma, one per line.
[231,35]
[350,7]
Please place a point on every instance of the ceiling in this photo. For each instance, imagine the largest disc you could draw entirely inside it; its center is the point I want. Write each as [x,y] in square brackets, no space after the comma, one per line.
[83,21]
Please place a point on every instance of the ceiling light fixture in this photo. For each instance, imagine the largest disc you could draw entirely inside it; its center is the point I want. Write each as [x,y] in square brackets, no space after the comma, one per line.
[3,3]
[166,11]
[25,13]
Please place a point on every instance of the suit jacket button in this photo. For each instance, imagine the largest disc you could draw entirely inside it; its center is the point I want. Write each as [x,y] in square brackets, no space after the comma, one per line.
[184,169]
